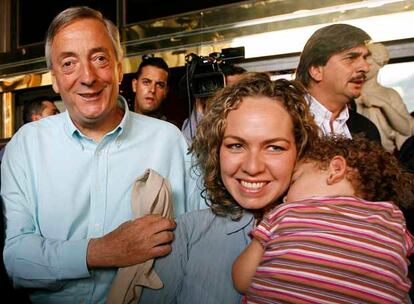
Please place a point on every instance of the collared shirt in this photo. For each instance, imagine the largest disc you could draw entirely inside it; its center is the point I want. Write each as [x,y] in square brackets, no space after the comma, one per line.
[198,270]
[61,188]
[189,126]
[323,118]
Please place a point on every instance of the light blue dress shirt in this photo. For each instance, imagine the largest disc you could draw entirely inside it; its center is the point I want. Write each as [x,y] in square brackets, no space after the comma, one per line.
[198,270]
[60,189]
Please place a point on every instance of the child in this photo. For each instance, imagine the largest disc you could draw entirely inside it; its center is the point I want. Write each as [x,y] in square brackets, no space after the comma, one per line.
[338,237]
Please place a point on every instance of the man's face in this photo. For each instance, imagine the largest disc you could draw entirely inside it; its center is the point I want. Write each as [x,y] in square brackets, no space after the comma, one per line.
[49,109]
[343,75]
[150,89]
[86,73]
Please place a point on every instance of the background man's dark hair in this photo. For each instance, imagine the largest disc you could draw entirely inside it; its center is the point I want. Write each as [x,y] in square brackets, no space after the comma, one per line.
[153,61]
[229,70]
[34,106]
[326,42]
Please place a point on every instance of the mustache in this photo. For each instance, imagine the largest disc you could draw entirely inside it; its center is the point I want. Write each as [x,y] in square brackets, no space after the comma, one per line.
[359,77]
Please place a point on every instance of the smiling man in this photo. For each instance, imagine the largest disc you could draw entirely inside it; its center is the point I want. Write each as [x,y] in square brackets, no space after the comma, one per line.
[333,67]
[68,179]
[151,87]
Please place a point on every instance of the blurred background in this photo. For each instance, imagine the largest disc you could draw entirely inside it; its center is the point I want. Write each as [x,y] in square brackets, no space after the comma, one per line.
[272,33]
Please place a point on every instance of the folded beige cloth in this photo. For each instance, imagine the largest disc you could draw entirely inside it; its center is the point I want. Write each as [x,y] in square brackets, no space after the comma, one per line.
[151,194]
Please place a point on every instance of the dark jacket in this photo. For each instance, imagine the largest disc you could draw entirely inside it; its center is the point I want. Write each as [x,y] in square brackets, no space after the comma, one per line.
[358,123]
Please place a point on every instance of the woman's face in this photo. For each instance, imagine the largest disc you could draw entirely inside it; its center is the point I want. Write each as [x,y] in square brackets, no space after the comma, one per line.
[258,152]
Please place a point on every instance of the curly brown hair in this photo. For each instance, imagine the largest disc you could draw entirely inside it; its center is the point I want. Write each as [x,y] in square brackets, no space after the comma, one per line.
[209,135]
[375,174]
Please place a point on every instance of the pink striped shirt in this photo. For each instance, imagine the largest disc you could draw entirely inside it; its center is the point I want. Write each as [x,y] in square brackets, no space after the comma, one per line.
[332,250]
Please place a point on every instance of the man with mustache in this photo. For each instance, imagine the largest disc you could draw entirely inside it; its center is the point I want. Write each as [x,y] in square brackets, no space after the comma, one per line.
[333,67]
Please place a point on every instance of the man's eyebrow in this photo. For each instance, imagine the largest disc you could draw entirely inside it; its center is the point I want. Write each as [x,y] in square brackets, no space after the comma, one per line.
[99,49]
[66,54]
[353,54]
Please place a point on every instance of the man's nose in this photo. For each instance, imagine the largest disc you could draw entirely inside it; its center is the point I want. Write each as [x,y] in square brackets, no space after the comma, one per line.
[363,65]
[88,74]
[152,87]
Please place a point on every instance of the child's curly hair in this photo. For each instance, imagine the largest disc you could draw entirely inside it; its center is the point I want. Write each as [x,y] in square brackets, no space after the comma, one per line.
[375,174]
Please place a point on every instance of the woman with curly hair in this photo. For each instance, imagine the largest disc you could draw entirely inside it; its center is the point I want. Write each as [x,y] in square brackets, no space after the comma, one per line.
[339,236]
[246,148]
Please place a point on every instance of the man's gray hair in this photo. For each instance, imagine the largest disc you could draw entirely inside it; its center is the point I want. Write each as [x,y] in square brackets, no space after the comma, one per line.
[75,13]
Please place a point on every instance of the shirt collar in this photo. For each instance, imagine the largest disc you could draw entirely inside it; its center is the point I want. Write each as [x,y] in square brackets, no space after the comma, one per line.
[74,133]
[235,226]
[323,116]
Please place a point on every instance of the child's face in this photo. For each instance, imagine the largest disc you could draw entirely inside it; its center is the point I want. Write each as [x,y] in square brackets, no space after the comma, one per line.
[308,180]
[258,152]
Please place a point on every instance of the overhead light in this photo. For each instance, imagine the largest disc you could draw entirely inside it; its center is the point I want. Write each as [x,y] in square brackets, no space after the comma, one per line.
[381,28]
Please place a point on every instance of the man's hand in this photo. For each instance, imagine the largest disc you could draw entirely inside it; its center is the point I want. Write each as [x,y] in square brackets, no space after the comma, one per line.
[132,243]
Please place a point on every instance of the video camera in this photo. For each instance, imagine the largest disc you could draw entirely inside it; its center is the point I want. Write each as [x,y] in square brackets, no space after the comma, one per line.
[204,73]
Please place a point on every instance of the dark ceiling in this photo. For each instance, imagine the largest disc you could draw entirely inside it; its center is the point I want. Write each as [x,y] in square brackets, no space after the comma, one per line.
[32,27]
[141,10]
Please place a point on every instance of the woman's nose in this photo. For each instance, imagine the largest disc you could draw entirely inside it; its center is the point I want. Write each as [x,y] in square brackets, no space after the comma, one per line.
[253,163]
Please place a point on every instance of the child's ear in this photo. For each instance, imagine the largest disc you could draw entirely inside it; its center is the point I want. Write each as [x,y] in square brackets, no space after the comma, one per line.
[337,169]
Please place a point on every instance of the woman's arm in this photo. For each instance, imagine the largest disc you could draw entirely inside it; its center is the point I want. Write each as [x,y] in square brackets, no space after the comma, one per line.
[245,265]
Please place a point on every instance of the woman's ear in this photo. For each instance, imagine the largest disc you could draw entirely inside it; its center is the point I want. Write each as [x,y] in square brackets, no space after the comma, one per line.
[336,170]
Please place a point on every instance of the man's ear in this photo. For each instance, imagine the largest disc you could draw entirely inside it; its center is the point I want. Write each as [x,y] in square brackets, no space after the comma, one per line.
[120,72]
[54,84]
[336,170]
[316,72]
[134,85]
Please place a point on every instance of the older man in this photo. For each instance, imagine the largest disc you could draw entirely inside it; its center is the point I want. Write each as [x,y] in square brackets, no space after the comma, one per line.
[67,180]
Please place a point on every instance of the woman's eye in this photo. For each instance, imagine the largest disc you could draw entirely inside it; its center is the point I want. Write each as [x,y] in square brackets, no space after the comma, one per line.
[234,146]
[276,148]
